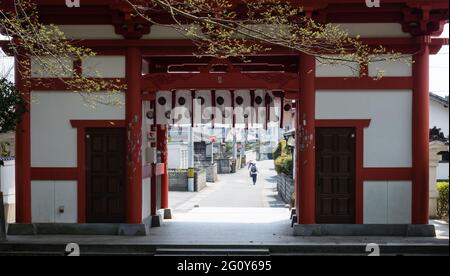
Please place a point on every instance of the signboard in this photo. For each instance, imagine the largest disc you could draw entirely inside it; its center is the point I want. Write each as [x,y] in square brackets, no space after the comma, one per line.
[191,173]
[151,136]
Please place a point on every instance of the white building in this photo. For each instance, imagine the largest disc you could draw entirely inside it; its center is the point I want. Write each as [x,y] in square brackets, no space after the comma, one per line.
[439,117]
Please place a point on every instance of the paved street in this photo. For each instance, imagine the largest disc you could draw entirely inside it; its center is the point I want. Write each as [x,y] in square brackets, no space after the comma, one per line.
[233,190]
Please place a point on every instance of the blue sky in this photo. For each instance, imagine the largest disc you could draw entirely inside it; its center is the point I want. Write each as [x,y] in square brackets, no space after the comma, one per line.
[439,71]
[439,68]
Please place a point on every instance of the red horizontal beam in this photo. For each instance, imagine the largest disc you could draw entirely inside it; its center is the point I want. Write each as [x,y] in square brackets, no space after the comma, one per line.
[387,174]
[395,83]
[359,123]
[54,173]
[97,123]
[231,80]
[184,47]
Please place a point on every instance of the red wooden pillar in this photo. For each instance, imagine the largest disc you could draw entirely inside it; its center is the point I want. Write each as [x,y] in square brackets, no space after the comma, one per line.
[420,134]
[23,144]
[162,147]
[153,207]
[134,136]
[305,142]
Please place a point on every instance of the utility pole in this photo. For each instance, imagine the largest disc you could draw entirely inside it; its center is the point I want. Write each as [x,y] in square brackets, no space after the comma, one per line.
[191,171]
[234,145]
[243,143]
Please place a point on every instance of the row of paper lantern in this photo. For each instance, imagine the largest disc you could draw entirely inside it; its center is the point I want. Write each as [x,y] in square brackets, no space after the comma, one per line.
[239,109]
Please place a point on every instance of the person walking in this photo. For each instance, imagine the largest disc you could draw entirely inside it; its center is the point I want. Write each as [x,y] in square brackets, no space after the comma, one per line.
[253,172]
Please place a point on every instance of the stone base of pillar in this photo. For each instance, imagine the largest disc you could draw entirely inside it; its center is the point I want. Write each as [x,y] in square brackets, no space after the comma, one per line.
[393,230]
[156,221]
[167,213]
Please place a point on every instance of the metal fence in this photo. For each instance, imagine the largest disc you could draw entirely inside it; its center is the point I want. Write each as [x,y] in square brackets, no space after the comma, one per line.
[285,187]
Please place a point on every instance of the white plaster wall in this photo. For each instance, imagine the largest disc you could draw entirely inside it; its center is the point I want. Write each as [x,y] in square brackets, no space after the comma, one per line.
[104,67]
[146,196]
[53,140]
[66,197]
[89,32]
[375,202]
[439,117]
[387,141]
[42,201]
[399,202]
[374,29]
[328,68]
[387,202]
[442,171]
[177,156]
[8,182]
[391,68]
[48,67]
[48,196]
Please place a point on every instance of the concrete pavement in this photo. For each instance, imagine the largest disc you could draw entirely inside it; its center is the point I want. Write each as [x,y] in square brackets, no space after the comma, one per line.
[233,190]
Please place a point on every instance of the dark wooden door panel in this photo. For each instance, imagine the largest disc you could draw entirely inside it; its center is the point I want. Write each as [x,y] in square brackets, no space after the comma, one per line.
[335,175]
[105,173]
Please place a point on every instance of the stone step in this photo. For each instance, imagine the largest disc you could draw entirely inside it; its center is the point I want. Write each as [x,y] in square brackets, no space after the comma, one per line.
[107,229]
[211,252]
[43,249]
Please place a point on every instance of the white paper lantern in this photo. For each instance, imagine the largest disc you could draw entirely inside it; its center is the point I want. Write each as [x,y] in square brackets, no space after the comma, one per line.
[288,115]
[275,109]
[202,108]
[163,106]
[182,112]
[223,110]
[244,113]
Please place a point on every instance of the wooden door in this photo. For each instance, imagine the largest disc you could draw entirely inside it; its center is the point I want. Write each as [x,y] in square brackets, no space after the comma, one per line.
[335,175]
[106,175]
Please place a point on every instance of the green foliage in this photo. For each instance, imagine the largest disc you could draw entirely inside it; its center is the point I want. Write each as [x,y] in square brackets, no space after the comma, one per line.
[5,149]
[283,159]
[282,149]
[277,152]
[442,208]
[12,106]
[249,146]
[228,148]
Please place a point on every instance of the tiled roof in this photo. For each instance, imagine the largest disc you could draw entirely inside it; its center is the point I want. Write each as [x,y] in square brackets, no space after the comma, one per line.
[6,158]
[439,99]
